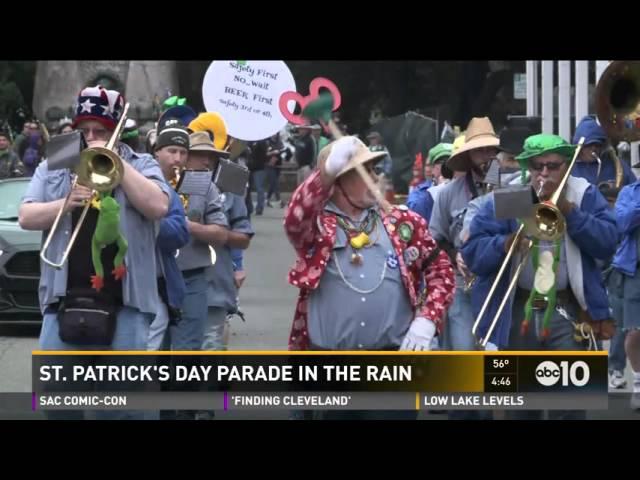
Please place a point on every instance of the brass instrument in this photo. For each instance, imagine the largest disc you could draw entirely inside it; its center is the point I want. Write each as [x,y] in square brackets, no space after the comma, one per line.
[617,163]
[174,184]
[102,170]
[617,100]
[546,223]
[45,132]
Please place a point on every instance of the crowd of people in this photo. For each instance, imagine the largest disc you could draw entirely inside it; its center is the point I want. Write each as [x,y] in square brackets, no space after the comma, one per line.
[372,274]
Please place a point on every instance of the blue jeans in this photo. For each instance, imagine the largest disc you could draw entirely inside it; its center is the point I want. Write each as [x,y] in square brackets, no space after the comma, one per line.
[258,183]
[158,328]
[624,298]
[273,175]
[132,333]
[617,353]
[214,329]
[457,331]
[457,336]
[188,333]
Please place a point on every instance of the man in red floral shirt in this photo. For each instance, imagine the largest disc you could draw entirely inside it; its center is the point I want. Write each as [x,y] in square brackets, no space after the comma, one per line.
[368,279]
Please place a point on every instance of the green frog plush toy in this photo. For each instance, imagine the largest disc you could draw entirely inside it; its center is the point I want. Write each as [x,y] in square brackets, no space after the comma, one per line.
[106,233]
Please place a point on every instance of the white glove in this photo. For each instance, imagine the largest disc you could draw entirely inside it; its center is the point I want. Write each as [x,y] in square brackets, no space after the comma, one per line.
[491,347]
[419,336]
[341,153]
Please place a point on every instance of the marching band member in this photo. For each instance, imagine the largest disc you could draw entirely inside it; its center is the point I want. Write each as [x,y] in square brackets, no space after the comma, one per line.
[474,157]
[511,144]
[368,280]
[596,165]
[624,283]
[222,277]
[560,302]
[222,294]
[362,273]
[208,226]
[129,294]
[171,150]
[561,286]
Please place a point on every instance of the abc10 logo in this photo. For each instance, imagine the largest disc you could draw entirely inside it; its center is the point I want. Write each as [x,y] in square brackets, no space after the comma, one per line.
[563,374]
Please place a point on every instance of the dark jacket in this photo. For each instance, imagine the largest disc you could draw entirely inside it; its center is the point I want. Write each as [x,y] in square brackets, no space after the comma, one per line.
[305,151]
[10,164]
[172,236]
[258,157]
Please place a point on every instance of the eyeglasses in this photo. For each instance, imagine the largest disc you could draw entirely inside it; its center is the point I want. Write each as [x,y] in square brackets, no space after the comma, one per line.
[99,133]
[551,166]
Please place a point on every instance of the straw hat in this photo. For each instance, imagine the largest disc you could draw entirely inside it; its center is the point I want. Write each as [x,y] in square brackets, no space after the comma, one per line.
[201,142]
[479,134]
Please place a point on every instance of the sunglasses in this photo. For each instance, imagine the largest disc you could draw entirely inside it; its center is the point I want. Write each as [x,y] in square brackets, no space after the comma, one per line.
[551,166]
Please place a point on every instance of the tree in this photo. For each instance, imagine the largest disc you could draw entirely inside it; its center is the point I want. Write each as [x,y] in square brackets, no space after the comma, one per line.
[17,79]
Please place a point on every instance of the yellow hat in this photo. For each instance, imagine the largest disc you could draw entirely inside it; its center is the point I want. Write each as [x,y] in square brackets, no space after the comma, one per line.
[457,143]
[214,123]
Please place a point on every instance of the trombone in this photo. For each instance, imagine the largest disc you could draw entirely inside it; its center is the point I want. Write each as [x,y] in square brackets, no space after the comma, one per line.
[101,169]
[546,223]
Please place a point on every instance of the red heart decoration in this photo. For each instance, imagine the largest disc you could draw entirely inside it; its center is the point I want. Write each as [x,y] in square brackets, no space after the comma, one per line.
[322,82]
[300,100]
[314,92]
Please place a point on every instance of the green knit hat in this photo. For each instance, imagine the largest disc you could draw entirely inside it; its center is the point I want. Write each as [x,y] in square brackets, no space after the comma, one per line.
[542,144]
[439,151]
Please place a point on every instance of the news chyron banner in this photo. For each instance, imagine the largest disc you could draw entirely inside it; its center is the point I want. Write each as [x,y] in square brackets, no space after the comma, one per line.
[319,380]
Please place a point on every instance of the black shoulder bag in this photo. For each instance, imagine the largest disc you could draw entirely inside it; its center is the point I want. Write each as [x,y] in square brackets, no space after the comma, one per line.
[87,320]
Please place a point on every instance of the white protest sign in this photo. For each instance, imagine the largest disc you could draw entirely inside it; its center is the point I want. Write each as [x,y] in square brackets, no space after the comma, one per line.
[246,94]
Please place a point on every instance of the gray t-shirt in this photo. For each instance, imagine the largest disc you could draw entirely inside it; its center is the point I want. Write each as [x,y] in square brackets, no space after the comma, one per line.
[448,211]
[206,209]
[222,291]
[360,306]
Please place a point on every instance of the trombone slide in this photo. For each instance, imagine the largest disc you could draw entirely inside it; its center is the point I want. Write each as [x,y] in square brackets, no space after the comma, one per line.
[525,255]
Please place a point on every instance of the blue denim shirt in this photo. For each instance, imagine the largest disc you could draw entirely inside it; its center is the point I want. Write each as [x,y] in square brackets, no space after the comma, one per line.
[628,221]
[208,210]
[222,291]
[237,256]
[139,286]
[342,318]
